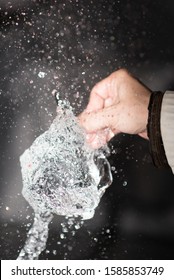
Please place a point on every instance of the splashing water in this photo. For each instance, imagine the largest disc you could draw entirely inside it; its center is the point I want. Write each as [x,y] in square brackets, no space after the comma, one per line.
[61,175]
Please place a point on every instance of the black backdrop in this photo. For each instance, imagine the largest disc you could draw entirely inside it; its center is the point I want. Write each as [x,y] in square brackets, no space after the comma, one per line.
[69,46]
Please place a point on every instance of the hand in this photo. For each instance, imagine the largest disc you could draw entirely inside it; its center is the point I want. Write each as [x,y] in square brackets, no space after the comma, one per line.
[119,103]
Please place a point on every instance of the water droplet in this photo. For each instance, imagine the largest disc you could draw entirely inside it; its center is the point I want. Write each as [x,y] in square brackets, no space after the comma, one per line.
[70,248]
[41,74]
[62,236]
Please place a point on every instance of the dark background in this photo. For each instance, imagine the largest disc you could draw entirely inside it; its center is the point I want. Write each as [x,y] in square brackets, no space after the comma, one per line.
[75,44]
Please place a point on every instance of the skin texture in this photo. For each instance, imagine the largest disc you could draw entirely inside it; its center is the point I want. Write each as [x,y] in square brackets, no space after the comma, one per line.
[118,103]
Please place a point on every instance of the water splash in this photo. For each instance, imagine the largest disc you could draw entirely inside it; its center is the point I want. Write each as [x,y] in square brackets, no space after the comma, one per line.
[36,237]
[61,175]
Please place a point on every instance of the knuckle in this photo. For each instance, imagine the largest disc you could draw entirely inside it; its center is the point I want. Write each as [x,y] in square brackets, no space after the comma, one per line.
[120,74]
[123,72]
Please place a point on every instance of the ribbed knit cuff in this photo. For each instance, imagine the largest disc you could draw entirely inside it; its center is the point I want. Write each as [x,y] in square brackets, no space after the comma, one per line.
[154,132]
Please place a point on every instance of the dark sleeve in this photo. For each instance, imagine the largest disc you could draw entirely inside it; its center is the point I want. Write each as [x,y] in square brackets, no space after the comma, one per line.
[154,131]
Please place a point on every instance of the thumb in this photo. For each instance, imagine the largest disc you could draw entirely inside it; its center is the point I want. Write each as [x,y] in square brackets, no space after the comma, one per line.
[98,120]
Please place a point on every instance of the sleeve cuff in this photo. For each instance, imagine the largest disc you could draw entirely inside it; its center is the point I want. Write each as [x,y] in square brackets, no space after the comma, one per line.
[154,130]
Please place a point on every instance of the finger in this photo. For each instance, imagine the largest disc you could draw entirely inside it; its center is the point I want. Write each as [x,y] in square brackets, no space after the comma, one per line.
[99,94]
[95,121]
[108,102]
[95,103]
[92,121]
[97,140]
[100,138]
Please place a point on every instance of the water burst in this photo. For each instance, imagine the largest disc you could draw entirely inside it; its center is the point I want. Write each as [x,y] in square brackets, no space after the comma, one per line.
[61,175]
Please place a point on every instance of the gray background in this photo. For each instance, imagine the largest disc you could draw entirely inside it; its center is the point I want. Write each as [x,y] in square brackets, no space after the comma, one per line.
[77,43]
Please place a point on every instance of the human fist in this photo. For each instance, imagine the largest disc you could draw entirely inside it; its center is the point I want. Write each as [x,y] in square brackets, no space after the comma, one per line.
[119,103]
